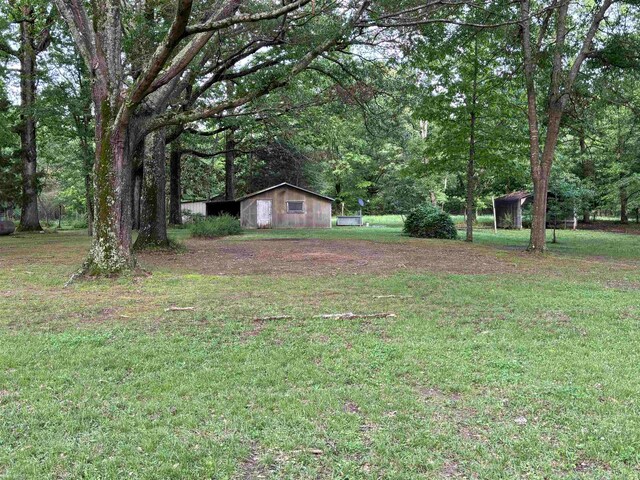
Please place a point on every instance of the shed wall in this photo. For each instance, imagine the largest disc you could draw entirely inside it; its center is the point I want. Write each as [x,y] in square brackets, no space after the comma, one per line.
[317,211]
[195,207]
[512,208]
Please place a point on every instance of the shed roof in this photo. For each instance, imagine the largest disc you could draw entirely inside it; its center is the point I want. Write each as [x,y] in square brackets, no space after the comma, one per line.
[513,196]
[284,184]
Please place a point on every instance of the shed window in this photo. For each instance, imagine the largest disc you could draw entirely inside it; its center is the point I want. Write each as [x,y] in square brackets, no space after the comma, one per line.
[295,207]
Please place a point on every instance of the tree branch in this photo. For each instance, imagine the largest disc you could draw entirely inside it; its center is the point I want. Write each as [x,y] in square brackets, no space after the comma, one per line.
[218,24]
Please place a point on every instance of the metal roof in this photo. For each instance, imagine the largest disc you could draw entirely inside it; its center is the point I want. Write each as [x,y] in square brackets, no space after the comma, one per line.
[513,196]
[284,184]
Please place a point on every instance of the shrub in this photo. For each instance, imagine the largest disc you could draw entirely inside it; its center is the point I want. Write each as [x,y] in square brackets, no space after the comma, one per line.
[427,221]
[216,227]
[507,221]
[80,223]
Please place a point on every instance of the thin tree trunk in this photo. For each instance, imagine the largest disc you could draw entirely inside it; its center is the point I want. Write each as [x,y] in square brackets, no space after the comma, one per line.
[29,220]
[587,172]
[471,180]
[624,216]
[229,165]
[153,221]
[175,171]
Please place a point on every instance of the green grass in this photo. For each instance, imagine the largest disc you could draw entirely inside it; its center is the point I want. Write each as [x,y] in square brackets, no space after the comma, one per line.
[99,381]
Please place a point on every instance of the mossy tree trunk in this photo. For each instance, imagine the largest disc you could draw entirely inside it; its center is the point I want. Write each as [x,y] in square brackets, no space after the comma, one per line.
[111,247]
[153,222]
[175,173]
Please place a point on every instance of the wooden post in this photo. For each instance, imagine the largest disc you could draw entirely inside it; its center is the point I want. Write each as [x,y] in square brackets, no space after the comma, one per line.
[495,222]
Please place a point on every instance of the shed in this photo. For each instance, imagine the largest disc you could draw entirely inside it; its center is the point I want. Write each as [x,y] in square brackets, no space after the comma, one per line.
[285,206]
[213,207]
[509,209]
[196,206]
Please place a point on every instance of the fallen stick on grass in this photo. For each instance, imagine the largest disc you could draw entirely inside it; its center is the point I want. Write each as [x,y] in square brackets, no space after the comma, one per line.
[392,296]
[179,309]
[273,317]
[351,315]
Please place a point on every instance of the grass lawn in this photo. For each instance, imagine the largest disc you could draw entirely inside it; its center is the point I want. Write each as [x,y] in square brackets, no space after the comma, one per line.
[496,364]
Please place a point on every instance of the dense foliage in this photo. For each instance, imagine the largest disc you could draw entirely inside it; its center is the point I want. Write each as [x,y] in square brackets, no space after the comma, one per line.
[214,227]
[427,221]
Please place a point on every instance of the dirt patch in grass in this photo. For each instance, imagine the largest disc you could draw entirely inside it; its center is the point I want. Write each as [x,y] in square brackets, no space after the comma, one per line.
[589,465]
[333,257]
[623,285]
[251,467]
[612,227]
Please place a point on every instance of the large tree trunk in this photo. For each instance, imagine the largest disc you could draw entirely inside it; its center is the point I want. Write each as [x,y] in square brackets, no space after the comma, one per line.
[153,222]
[29,220]
[111,248]
[175,171]
[229,165]
[540,173]
[538,237]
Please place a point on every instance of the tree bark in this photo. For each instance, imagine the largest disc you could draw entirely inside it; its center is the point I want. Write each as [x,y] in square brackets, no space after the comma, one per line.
[229,165]
[29,219]
[624,198]
[110,251]
[471,175]
[153,221]
[175,172]
[588,171]
[135,201]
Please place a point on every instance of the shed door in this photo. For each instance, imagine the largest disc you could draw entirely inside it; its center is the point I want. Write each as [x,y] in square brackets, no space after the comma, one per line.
[264,213]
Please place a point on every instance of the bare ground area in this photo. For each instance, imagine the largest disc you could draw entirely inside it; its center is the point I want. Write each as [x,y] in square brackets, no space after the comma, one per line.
[612,227]
[327,257]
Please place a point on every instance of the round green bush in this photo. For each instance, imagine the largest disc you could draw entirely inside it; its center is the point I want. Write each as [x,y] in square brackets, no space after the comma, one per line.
[427,221]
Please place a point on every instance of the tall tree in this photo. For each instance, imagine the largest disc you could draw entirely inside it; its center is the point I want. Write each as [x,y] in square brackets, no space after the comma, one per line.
[118,93]
[566,60]
[34,20]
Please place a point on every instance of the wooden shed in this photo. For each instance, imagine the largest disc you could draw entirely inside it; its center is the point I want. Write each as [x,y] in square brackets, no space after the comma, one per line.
[285,206]
[196,206]
[509,209]
[213,207]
